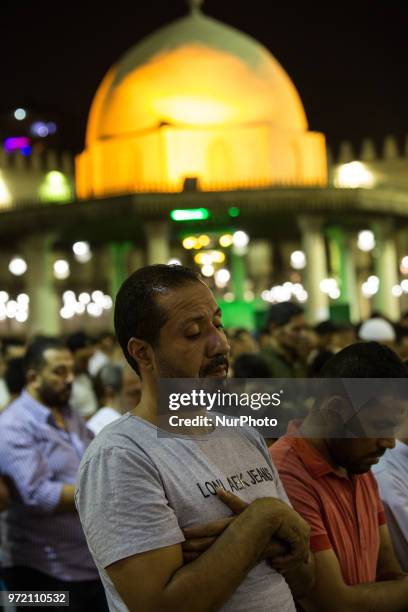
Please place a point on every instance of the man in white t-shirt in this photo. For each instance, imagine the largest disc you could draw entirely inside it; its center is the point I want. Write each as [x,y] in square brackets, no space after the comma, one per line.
[83,398]
[118,389]
[144,499]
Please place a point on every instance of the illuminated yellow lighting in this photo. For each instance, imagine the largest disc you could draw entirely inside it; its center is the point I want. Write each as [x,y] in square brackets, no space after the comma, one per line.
[226,240]
[55,179]
[404,265]
[55,187]
[5,197]
[202,109]
[195,110]
[355,174]
[207,270]
[189,242]
[218,256]
[203,258]
[209,257]
[204,240]
[222,277]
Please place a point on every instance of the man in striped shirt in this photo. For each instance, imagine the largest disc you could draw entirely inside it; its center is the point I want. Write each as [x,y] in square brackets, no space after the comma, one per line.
[42,443]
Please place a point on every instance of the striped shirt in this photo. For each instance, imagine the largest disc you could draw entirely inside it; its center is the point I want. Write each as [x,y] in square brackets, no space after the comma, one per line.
[39,457]
[344,513]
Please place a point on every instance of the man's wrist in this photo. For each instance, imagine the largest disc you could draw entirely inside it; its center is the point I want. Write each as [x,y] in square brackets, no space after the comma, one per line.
[271,512]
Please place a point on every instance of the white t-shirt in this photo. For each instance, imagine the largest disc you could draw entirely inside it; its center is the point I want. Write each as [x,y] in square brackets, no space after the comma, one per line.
[4,394]
[83,396]
[97,361]
[138,490]
[103,417]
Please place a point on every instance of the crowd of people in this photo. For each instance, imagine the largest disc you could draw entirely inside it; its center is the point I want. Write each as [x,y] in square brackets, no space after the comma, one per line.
[94,501]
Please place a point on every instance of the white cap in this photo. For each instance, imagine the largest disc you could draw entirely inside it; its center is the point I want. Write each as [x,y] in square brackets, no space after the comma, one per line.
[377,330]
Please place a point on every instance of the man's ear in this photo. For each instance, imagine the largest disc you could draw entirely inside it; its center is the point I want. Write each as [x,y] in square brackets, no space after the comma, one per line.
[335,413]
[31,376]
[272,328]
[142,353]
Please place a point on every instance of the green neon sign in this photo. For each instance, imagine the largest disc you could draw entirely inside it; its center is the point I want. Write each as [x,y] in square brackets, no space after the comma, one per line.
[190,214]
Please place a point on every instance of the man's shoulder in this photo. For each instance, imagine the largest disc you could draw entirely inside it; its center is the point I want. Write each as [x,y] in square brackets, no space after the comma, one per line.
[252,434]
[103,417]
[13,414]
[283,447]
[127,434]
[370,481]
[242,437]
[392,481]
[391,464]
[287,459]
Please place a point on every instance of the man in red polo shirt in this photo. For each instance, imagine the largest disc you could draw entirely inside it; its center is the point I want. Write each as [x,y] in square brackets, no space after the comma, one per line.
[328,481]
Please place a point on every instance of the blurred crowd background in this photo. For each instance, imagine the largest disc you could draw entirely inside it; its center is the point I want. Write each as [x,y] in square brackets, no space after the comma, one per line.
[287,347]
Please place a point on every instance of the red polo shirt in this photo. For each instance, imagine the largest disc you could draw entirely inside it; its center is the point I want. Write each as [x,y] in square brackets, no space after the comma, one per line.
[344,513]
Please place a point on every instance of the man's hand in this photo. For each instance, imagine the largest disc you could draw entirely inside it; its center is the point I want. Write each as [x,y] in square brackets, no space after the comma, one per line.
[201,537]
[289,546]
[160,580]
[4,495]
[283,554]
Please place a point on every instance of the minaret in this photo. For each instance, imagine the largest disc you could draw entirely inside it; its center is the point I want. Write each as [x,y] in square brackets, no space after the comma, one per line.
[195,6]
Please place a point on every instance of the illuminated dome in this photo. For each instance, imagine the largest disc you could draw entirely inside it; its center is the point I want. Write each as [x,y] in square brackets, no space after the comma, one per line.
[198,99]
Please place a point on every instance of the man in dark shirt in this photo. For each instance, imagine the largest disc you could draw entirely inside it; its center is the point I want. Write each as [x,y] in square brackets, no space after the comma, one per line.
[288,347]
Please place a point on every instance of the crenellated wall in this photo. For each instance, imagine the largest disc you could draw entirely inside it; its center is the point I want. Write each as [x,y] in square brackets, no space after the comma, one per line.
[24,179]
[28,178]
[388,163]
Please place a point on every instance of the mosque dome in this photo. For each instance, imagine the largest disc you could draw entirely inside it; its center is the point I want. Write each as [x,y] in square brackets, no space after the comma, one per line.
[203,89]
[195,71]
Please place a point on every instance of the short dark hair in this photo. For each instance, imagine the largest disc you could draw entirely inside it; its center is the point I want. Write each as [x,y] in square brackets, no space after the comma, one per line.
[9,342]
[326,327]
[110,375]
[78,340]
[34,357]
[105,334]
[14,375]
[364,360]
[316,366]
[281,314]
[137,313]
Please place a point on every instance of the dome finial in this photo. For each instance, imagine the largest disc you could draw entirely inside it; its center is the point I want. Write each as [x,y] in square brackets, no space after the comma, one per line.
[195,6]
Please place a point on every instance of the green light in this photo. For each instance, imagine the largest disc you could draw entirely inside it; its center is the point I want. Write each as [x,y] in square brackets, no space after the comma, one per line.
[190,214]
[234,211]
[55,187]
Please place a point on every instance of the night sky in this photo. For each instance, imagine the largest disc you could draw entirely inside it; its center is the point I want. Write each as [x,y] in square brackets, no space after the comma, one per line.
[348,60]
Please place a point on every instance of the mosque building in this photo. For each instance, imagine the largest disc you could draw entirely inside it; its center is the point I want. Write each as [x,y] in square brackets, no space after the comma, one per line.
[198,150]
